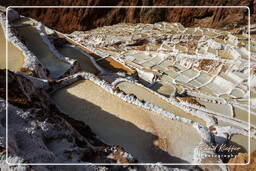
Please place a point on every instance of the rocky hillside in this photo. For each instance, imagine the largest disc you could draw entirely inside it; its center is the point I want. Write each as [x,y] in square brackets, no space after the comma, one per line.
[69,20]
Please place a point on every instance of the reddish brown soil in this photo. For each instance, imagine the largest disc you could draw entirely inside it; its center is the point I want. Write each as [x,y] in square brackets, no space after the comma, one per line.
[69,20]
[243,158]
[208,65]
[114,66]
[28,71]
[191,100]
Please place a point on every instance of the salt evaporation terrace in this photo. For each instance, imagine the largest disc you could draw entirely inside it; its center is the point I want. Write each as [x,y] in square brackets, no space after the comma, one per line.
[35,41]
[173,88]
[15,59]
[206,70]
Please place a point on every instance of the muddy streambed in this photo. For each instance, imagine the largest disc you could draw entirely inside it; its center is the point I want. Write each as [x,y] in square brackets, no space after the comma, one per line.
[35,43]
[148,136]
[15,56]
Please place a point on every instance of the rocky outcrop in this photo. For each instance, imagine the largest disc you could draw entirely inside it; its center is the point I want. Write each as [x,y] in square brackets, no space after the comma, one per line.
[13,15]
[69,20]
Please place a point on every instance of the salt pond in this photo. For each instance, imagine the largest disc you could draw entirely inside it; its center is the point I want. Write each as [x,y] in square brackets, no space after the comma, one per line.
[149,136]
[36,44]
[15,56]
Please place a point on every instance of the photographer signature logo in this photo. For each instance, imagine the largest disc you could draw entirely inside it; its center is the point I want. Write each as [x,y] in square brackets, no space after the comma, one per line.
[220,148]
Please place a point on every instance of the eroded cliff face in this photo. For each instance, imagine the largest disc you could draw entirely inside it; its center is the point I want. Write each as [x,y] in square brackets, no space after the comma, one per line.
[69,20]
